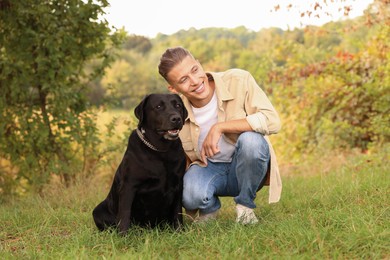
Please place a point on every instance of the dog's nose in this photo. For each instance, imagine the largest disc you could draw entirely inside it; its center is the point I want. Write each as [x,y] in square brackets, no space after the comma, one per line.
[175,119]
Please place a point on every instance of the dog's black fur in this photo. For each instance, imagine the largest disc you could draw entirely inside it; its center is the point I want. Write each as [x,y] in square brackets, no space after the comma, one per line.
[148,184]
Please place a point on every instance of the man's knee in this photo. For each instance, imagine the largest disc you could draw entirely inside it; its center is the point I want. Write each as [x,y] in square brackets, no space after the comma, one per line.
[196,195]
[194,198]
[253,145]
[191,191]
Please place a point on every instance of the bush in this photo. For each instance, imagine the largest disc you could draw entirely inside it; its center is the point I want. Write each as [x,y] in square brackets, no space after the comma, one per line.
[47,125]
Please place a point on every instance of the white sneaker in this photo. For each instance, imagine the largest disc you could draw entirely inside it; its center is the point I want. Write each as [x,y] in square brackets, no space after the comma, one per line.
[245,215]
[206,217]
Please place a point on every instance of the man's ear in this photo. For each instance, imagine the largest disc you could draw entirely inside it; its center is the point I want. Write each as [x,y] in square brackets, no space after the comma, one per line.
[172,89]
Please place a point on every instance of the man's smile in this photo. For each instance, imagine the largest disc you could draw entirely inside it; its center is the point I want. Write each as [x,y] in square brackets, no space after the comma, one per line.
[200,88]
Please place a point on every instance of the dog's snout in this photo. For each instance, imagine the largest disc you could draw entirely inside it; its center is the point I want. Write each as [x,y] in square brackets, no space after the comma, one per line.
[175,119]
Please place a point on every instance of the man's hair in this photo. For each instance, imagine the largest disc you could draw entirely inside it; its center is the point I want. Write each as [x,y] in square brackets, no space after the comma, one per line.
[170,58]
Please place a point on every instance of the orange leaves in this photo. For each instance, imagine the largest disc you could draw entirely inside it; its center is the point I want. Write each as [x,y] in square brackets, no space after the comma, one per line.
[316,6]
[344,56]
[319,8]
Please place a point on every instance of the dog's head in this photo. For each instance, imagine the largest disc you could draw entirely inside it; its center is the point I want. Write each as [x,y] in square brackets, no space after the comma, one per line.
[162,113]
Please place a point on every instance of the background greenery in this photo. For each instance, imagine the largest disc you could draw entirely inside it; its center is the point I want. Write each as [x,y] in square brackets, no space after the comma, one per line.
[62,66]
[68,86]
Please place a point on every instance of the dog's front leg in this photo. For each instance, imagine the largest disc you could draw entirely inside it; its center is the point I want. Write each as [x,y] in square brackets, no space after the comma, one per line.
[126,198]
[178,217]
[178,209]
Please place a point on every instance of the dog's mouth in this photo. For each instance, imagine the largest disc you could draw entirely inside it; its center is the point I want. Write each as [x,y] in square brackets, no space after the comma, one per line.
[172,134]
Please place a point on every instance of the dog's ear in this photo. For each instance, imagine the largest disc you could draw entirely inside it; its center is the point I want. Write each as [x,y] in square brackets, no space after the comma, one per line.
[185,112]
[139,110]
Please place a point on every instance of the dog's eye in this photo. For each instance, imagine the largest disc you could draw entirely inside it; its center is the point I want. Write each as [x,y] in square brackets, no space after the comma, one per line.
[178,105]
[158,107]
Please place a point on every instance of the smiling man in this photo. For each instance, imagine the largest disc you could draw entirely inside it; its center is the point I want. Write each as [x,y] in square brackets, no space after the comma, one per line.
[224,137]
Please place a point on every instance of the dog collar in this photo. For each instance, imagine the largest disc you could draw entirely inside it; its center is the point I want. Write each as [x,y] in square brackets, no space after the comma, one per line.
[141,136]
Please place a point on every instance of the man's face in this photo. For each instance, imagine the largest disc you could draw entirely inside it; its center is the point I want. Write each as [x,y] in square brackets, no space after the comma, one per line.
[189,79]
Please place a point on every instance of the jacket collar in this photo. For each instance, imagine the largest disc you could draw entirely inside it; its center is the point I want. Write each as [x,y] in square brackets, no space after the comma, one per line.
[223,93]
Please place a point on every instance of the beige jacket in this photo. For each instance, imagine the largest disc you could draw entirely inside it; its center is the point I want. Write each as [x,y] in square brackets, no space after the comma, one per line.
[239,97]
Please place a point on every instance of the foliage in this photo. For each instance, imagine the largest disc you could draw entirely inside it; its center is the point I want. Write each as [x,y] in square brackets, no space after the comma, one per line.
[339,214]
[138,43]
[127,81]
[340,102]
[47,126]
[330,84]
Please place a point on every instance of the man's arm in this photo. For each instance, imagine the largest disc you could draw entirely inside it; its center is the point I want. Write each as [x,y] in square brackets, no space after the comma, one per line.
[209,147]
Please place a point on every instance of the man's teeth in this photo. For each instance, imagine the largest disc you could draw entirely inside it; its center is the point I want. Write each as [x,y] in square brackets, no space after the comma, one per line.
[200,88]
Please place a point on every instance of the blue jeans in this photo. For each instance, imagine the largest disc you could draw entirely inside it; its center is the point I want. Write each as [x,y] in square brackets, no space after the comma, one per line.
[241,178]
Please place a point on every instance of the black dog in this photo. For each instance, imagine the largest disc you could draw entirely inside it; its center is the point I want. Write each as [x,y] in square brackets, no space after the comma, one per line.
[148,184]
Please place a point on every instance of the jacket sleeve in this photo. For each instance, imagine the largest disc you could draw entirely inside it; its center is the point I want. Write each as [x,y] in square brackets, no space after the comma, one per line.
[261,115]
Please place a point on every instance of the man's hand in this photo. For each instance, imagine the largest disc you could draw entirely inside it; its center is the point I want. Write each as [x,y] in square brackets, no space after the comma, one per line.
[210,143]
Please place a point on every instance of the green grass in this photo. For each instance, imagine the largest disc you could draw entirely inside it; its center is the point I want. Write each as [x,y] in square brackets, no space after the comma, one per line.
[341,214]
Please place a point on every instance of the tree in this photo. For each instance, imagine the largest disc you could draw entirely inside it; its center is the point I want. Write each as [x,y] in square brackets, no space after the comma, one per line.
[47,125]
[138,43]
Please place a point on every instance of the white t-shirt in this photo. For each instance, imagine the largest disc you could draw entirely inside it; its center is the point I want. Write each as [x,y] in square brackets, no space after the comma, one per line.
[206,117]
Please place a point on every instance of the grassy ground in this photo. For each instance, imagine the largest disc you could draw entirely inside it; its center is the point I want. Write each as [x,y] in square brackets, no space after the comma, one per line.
[343,213]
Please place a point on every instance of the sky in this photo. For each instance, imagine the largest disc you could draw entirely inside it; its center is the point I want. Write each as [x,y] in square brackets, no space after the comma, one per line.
[150,17]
